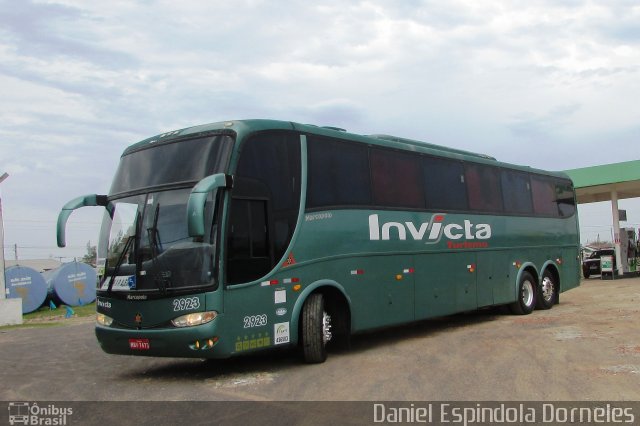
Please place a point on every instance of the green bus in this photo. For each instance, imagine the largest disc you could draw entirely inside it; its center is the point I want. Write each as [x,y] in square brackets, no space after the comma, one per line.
[239,236]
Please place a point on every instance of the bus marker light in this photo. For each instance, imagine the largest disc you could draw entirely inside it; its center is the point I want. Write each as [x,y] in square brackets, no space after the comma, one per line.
[268,283]
[559,261]
[297,287]
[290,280]
[517,264]
[471,268]
[409,271]
[399,277]
[357,272]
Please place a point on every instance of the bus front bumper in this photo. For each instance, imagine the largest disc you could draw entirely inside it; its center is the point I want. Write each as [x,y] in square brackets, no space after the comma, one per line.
[188,342]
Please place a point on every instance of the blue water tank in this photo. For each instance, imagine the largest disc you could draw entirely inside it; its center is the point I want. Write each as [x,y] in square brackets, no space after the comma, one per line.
[72,284]
[26,283]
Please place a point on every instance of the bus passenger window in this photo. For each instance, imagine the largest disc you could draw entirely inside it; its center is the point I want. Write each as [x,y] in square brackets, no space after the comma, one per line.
[338,174]
[396,179]
[544,200]
[483,188]
[444,184]
[516,190]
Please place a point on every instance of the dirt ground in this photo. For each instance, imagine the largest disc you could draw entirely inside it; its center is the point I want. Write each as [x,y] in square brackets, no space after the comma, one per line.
[585,348]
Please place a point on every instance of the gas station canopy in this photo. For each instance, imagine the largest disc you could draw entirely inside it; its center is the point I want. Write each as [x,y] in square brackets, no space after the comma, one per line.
[610,182]
[597,183]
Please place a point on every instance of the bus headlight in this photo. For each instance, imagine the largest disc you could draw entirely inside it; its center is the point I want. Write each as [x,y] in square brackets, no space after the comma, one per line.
[197,318]
[102,319]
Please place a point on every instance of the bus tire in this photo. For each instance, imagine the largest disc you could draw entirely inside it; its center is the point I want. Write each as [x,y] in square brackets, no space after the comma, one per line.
[526,295]
[316,329]
[547,291]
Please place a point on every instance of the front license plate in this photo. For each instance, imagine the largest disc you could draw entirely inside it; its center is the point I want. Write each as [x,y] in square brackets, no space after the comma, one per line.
[139,344]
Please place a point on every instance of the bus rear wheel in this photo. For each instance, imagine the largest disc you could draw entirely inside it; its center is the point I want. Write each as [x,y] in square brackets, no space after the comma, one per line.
[316,329]
[526,295]
[547,292]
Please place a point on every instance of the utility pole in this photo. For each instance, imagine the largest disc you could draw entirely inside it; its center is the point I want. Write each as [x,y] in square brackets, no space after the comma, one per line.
[10,309]
[3,293]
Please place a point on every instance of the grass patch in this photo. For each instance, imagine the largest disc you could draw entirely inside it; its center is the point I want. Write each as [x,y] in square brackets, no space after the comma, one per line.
[45,313]
[46,317]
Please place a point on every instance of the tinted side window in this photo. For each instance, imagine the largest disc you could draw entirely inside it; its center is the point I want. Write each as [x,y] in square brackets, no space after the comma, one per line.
[444,185]
[544,198]
[264,206]
[516,191]
[552,196]
[565,198]
[396,179]
[248,253]
[483,188]
[338,173]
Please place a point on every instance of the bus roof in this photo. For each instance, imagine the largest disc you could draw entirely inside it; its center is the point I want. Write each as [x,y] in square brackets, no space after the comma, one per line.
[246,127]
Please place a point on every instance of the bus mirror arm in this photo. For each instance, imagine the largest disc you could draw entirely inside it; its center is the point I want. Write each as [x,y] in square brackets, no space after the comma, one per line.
[198,198]
[76,203]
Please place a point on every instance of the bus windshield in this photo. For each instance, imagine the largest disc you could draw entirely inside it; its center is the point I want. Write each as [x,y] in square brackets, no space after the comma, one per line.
[144,242]
[146,245]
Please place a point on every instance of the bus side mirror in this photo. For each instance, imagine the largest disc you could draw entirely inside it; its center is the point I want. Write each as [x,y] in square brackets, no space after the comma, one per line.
[76,203]
[198,198]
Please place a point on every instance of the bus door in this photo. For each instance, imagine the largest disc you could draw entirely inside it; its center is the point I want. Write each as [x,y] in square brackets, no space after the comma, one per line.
[445,283]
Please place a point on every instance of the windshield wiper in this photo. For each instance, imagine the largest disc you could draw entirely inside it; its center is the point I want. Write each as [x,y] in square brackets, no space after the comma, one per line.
[153,235]
[162,278]
[116,268]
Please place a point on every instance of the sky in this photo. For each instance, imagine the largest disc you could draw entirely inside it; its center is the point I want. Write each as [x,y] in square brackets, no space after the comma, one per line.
[549,84]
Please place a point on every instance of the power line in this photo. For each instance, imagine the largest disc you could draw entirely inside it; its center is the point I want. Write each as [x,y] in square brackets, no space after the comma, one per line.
[49,221]
[42,247]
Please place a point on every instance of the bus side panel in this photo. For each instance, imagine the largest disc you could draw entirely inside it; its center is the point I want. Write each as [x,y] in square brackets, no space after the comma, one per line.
[381,289]
[495,286]
[570,270]
[445,284]
[251,319]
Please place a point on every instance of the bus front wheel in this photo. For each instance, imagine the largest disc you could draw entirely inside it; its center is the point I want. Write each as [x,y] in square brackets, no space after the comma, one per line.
[526,295]
[316,329]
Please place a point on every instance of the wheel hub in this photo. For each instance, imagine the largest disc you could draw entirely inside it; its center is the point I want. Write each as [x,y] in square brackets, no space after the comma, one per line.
[527,293]
[326,328]
[547,289]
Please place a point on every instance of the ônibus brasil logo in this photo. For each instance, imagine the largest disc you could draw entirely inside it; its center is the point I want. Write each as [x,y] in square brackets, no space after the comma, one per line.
[433,231]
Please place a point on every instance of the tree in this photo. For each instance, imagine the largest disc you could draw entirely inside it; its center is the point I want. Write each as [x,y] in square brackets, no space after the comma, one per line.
[90,257]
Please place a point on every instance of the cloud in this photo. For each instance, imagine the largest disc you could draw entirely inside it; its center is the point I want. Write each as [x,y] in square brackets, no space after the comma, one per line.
[532,126]
[83,80]
[50,30]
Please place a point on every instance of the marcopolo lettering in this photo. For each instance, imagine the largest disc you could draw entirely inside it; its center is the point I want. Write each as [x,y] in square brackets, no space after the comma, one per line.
[431,232]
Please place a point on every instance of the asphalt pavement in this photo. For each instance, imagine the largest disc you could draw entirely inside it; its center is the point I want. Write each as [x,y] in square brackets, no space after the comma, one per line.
[585,348]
